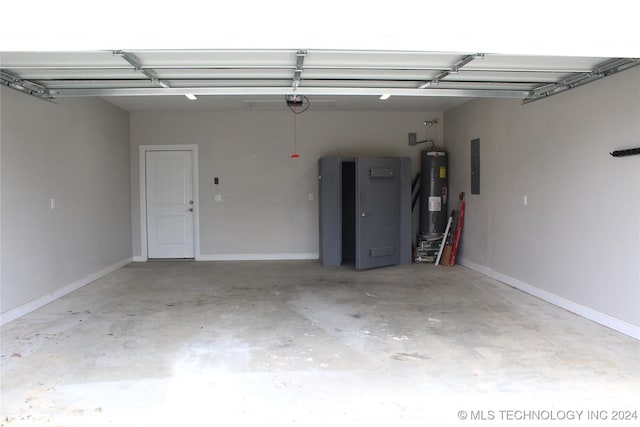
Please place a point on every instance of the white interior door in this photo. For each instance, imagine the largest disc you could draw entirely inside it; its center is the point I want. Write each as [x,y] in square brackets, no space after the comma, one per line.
[169,191]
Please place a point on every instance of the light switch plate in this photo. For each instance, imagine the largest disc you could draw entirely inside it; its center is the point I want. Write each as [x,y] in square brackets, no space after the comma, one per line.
[218,197]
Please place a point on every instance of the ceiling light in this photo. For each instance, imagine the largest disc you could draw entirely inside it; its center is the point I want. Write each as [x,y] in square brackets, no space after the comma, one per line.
[385,96]
[191,96]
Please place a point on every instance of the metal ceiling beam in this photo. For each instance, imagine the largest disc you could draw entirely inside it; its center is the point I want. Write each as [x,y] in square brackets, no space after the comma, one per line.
[293,67]
[69,67]
[526,70]
[135,63]
[450,69]
[464,61]
[25,86]
[483,93]
[279,82]
[602,70]
[300,55]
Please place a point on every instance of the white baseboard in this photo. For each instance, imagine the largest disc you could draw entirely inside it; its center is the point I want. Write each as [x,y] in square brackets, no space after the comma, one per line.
[259,257]
[579,309]
[139,258]
[46,299]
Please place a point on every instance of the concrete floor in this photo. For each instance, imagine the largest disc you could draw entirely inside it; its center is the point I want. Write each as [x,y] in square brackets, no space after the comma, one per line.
[280,343]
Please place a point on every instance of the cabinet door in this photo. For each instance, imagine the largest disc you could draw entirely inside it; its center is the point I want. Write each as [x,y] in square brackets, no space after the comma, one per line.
[330,199]
[377,212]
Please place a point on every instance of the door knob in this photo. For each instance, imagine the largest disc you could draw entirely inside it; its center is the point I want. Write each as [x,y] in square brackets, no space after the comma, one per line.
[189,210]
[365,214]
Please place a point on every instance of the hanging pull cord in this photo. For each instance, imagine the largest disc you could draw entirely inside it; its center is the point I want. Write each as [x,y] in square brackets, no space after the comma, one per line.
[297,108]
[295,154]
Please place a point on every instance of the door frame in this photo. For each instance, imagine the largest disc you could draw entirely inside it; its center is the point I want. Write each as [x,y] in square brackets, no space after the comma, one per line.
[143,194]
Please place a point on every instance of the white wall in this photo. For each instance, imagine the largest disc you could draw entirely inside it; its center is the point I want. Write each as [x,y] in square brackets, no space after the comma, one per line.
[577,242]
[76,152]
[265,209]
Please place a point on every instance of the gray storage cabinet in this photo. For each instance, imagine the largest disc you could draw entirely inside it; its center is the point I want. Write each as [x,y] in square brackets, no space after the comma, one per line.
[365,211]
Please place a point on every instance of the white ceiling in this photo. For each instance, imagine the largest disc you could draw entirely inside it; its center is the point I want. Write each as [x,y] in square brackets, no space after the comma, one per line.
[355,50]
[536,27]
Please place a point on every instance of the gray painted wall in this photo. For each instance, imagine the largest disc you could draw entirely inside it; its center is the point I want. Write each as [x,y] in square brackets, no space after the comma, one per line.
[579,236]
[76,152]
[265,206]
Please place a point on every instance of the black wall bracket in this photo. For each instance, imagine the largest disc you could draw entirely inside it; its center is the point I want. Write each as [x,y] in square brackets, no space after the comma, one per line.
[623,153]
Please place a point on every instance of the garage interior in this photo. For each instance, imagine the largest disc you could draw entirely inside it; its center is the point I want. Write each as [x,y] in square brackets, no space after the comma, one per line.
[541,312]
